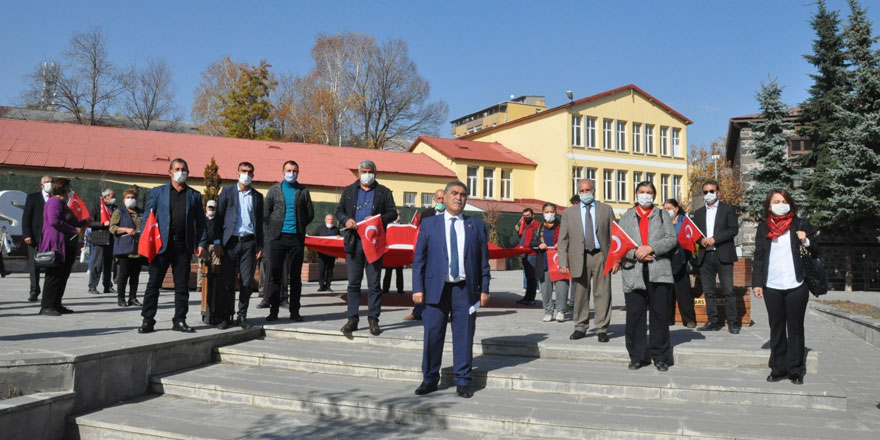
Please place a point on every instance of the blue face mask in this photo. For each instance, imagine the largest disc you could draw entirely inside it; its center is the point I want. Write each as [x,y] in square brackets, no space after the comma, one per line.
[290,177]
[586,198]
[440,207]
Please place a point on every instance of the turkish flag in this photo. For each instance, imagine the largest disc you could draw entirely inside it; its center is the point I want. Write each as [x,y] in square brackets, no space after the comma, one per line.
[79,209]
[417,218]
[105,212]
[621,243]
[688,234]
[553,266]
[151,241]
[372,234]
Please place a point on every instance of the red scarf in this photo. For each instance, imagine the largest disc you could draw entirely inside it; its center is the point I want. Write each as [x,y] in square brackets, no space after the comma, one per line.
[644,221]
[778,224]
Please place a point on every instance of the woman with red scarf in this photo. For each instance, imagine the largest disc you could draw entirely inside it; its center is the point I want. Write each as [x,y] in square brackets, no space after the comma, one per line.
[778,278]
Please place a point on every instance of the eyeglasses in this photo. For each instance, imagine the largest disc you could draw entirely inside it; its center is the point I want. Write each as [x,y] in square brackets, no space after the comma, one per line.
[711,191]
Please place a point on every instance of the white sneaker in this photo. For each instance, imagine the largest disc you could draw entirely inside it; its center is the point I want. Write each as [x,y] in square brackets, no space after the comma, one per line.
[560,317]
[548,317]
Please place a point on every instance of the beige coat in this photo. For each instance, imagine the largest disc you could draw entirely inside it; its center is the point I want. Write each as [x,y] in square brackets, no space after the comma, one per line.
[571,236]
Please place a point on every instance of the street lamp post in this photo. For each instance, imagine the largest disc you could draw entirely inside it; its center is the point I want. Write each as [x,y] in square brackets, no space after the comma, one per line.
[715,158]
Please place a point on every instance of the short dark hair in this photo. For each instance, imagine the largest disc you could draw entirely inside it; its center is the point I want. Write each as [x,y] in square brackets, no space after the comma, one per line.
[177,160]
[292,162]
[548,204]
[712,182]
[785,195]
[574,199]
[246,164]
[672,202]
[131,191]
[457,183]
[59,186]
[529,210]
[646,184]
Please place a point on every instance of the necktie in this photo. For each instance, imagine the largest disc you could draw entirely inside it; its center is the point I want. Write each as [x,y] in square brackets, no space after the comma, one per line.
[589,238]
[453,254]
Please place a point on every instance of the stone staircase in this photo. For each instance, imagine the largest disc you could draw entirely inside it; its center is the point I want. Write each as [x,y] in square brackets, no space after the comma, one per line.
[302,382]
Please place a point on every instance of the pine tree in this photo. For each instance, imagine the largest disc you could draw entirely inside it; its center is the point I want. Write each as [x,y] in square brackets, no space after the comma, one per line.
[212,182]
[247,108]
[770,149]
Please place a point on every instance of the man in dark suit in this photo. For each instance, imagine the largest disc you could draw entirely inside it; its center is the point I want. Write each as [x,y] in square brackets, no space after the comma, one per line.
[360,200]
[326,262]
[716,257]
[32,230]
[286,214]
[450,275]
[239,243]
[102,243]
[439,207]
[181,219]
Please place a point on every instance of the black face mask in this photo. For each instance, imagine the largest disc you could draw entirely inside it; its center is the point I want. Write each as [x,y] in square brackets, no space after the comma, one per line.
[528,219]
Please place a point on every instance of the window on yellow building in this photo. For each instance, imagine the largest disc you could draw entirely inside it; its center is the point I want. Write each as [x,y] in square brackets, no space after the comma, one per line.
[606,134]
[609,185]
[590,174]
[427,200]
[409,199]
[676,187]
[664,144]
[649,139]
[472,181]
[621,135]
[637,179]
[676,142]
[576,130]
[506,185]
[649,177]
[488,182]
[621,185]
[590,127]
[575,178]
[637,138]
[664,186]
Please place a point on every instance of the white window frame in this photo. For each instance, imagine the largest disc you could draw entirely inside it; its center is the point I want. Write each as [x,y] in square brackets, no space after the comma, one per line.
[608,186]
[409,199]
[676,142]
[488,183]
[576,130]
[621,185]
[507,184]
[637,179]
[637,137]
[664,186]
[590,174]
[621,135]
[590,132]
[676,186]
[472,181]
[608,134]
[427,200]
[664,141]
[649,177]
[575,178]
[649,139]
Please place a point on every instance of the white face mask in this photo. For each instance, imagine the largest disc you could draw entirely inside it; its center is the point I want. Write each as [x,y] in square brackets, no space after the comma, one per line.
[671,212]
[645,200]
[550,217]
[368,178]
[290,178]
[245,179]
[180,177]
[209,214]
[47,187]
[780,208]
[710,198]
[586,199]
[329,225]
[130,203]
[112,201]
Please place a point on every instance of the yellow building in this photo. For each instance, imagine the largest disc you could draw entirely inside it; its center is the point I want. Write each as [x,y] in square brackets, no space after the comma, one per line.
[498,114]
[616,138]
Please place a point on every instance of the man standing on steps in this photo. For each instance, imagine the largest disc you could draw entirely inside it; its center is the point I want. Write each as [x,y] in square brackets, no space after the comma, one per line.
[438,208]
[363,198]
[451,275]
[583,247]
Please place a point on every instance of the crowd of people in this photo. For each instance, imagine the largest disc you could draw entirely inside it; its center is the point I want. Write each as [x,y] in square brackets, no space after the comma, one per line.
[243,229]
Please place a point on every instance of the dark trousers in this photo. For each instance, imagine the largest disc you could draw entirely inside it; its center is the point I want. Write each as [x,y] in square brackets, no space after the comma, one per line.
[681,290]
[655,298]
[528,264]
[325,270]
[785,313]
[178,257]
[33,271]
[129,275]
[418,310]
[453,306]
[357,265]
[102,267]
[711,268]
[288,249]
[56,281]
[239,261]
[386,282]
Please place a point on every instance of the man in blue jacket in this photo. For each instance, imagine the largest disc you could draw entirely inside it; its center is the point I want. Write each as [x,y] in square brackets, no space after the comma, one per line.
[181,219]
[450,275]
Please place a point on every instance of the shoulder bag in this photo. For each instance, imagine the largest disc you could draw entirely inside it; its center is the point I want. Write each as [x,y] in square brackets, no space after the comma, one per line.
[814,271]
[48,259]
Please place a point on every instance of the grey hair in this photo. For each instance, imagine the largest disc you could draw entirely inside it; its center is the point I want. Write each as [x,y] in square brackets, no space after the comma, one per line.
[107,192]
[457,183]
[593,184]
[51,179]
[368,164]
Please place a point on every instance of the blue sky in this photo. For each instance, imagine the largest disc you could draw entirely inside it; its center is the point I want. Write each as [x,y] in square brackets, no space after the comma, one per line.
[704,58]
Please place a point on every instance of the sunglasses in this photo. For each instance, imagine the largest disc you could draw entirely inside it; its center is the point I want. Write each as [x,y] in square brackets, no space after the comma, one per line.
[711,191]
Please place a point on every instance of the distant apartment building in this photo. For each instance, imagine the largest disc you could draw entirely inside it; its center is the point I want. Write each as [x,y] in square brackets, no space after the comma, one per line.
[498,114]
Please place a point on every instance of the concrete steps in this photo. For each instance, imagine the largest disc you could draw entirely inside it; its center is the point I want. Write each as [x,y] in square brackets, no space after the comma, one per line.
[537,345]
[582,378]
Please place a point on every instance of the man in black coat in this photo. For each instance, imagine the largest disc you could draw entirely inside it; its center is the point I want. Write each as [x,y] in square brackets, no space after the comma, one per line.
[102,243]
[716,257]
[326,262]
[360,200]
[32,230]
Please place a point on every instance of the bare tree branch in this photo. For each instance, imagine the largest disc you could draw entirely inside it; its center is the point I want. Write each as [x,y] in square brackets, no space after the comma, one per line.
[148,95]
[91,74]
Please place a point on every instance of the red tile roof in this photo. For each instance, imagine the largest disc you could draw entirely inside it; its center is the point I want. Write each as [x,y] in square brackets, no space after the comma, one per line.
[35,144]
[581,101]
[474,150]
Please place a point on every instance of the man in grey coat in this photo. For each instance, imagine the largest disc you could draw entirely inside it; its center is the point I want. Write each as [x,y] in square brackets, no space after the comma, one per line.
[583,247]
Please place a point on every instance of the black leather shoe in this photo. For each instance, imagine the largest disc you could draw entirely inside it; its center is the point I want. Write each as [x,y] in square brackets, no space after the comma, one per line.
[349,327]
[772,378]
[182,327]
[64,310]
[33,297]
[146,328]
[374,327]
[577,335]
[661,366]
[224,325]
[710,327]
[273,316]
[603,337]
[733,330]
[134,302]
[263,305]
[296,317]
[426,388]
[49,311]
[797,380]
[464,392]
[526,302]
[243,323]
[634,366]
[109,290]
[93,291]
[121,303]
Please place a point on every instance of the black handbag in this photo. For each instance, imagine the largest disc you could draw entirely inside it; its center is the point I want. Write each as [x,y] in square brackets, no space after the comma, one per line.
[48,259]
[100,237]
[814,272]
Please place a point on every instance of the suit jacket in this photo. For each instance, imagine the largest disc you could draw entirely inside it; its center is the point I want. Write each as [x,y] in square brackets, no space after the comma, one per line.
[227,214]
[431,259]
[32,219]
[274,209]
[324,231]
[571,236]
[761,261]
[726,228]
[159,202]
[383,204]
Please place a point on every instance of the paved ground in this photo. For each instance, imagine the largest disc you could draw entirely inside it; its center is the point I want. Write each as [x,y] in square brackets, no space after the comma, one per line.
[99,325]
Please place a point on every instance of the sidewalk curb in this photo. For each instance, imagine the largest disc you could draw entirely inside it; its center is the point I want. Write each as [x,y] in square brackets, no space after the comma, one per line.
[862,326]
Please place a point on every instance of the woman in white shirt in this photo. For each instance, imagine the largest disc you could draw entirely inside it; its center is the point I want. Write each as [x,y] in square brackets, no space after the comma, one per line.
[778,278]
